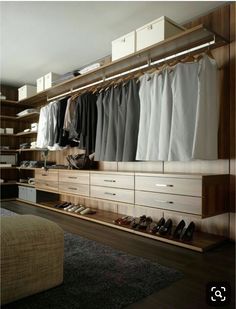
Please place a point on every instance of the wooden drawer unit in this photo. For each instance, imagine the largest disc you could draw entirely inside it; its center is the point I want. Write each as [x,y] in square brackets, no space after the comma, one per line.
[78,177]
[114,194]
[164,184]
[75,188]
[115,180]
[46,185]
[187,204]
[49,175]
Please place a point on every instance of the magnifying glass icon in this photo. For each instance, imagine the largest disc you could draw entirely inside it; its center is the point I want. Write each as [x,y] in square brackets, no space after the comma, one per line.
[218,293]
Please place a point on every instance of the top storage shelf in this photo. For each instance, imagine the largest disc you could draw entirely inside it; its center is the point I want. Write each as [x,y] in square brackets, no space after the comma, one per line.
[186,40]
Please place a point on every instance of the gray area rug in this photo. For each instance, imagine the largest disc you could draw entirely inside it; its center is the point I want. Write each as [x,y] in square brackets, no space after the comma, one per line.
[99,277]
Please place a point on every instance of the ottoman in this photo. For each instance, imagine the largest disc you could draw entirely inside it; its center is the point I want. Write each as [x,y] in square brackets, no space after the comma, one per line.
[32,252]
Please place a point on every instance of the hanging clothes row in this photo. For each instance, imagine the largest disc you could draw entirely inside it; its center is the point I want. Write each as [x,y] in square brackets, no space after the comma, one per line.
[118,123]
[179,113]
[71,123]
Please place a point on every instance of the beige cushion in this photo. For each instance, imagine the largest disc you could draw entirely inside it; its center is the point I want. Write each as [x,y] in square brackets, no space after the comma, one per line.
[32,252]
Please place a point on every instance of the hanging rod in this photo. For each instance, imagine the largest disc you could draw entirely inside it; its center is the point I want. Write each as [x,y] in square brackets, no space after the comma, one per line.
[148,65]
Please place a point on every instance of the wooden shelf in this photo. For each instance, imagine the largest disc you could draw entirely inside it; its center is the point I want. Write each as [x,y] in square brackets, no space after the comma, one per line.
[187,39]
[5,134]
[200,243]
[25,168]
[7,151]
[13,103]
[8,183]
[31,149]
[8,167]
[25,184]
[8,117]
[25,133]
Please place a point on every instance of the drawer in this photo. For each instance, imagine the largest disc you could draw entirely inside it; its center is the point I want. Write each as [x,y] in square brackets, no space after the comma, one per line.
[49,175]
[121,195]
[112,180]
[181,186]
[46,185]
[74,177]
[156,31]
[123,46]
[187,204]
[74,188]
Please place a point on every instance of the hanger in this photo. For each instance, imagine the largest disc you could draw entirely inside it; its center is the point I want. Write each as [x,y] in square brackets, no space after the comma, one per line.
[209,53]
[188,58]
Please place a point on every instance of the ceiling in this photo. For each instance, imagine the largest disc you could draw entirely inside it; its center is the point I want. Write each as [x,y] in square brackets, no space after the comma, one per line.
[42,37]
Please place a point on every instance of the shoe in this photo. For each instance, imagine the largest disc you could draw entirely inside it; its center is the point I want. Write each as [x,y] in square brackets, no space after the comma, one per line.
[158,225]
[87,211]
[62,205]
[137,221]
[179,229]
[188,234]
[81,208]
[120,220]
[166,228]
[145,223]
[69,207]
[73,208]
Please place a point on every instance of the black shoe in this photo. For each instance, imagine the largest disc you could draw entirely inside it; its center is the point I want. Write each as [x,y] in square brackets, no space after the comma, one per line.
[136,223]
[64,205]
[188,234]
[61,204]
[145,223]
[158,225]
[179,229]
[166,228]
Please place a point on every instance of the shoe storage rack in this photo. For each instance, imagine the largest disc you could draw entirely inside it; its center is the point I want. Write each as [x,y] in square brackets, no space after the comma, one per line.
[135,190]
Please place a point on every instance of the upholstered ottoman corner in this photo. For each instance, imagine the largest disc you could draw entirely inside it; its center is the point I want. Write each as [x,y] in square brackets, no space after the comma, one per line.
[32,254]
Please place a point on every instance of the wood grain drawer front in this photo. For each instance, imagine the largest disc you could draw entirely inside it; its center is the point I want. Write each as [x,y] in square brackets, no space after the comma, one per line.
[74,188]
[181,186]
[46,185]
[121,195]
[49,175]
[112,180]
[173,202]
[74,177]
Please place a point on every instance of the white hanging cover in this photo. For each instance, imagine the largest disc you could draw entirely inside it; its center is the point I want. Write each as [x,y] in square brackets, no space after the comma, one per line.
[205,143]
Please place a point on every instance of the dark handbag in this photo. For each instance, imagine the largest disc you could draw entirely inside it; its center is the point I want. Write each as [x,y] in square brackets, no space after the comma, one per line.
[79,161]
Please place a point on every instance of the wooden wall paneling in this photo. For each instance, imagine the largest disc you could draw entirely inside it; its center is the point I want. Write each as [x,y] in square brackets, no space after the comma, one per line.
[10,92]
[9,174]
[107,166]
[141,166]
[232,105]
[155,213]
[232,226]
[198,166]
[126,209]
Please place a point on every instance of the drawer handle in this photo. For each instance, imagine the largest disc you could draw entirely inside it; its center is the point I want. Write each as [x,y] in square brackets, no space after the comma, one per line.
[109,180]
[72,177]
[167,202]
[109,193]
[163,185]
[71,188]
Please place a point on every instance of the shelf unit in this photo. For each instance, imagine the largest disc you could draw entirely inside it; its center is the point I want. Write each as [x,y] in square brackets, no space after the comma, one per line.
[186,40]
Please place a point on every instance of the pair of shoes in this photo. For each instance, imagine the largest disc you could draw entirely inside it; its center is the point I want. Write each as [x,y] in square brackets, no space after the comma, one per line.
[141,223]
[155,229]
[166,228]
[87,211]
[124,220]
[186,235]
[62,205]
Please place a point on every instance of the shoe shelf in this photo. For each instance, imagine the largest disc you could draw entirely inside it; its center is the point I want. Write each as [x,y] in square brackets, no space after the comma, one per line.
[201,241]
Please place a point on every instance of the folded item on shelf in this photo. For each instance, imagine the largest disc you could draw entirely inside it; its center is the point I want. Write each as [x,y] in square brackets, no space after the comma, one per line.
[27,111]
[90,68]
[4,147]
[26,130]
[25,146]
[2,180]
[23,180]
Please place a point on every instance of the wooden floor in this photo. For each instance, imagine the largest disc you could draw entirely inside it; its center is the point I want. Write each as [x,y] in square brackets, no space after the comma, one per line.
[198,268]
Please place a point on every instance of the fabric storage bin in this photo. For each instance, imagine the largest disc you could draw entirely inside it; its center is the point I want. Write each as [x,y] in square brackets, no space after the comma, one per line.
[123,46]
[9,130]
[49,79]
[40,84]
[26,91]
[156,31]
[22,193]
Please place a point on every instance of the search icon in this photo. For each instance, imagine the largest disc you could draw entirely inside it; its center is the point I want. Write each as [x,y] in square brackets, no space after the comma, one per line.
[218,293]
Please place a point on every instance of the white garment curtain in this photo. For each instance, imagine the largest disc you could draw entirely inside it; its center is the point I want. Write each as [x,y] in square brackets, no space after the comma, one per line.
[179,113]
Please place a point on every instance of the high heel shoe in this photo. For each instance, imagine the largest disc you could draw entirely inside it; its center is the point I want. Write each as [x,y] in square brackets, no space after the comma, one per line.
[137,221]
[166,228]
[158,225]
[145,223]
[188,234]
[179,229]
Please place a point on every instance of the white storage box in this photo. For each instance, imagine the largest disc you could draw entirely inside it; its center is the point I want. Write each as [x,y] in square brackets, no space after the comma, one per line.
[9,130]
[123,46]
[156,31]
[26,91]
[2,131]
[49,79]
[40,84]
